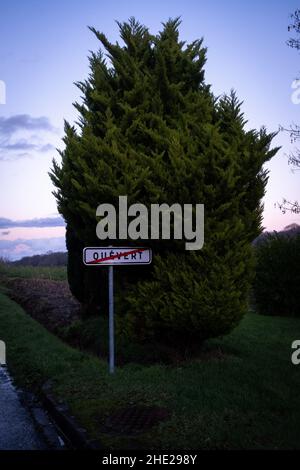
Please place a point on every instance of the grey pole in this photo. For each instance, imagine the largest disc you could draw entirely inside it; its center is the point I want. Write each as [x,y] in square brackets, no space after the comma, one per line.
[111,319]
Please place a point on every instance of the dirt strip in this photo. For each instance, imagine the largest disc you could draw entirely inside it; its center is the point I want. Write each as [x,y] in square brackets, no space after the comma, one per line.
[49,302]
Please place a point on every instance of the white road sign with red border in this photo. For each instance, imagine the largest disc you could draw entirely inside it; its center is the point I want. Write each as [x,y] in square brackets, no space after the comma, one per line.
[112,256]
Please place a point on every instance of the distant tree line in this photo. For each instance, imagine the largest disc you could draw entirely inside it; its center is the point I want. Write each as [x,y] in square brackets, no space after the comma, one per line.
[49,259]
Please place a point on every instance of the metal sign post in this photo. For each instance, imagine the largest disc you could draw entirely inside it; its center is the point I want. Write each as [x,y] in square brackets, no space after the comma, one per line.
[111,326]
[110,256]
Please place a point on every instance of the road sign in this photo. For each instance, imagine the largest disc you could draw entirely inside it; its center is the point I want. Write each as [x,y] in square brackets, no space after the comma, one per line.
[112,256]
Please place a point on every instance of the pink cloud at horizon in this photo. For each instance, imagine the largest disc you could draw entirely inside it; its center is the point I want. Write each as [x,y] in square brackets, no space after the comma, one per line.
[31,233]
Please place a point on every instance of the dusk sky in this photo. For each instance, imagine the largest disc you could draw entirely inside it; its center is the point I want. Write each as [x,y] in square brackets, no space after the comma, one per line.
[43,50]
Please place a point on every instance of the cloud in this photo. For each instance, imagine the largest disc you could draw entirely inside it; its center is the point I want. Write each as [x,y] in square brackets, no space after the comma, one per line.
[24,146]
[43,222]
[46,148]
[10,125]
[21,248]
[6,232]
[21,144]
[17,249]
[13,145]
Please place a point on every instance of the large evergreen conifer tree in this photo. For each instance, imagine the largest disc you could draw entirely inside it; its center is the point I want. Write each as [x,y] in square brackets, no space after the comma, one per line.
[150,128]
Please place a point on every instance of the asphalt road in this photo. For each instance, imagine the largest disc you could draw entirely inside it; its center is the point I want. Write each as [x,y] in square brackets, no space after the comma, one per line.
[17,430]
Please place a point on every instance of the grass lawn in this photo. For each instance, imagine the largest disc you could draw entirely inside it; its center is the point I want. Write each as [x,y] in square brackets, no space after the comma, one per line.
[248,398]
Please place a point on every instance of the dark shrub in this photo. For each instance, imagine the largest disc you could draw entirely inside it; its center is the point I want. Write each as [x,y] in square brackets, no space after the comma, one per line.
[277,281]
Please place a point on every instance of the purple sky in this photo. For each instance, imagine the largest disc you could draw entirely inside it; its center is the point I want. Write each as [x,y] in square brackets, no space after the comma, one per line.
[44,48]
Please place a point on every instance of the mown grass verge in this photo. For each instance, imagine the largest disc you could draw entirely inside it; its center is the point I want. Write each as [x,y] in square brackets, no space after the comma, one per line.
[248,398]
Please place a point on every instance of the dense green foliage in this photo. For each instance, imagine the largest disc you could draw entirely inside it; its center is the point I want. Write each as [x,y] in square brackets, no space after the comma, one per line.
[150,128]
[277,280]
